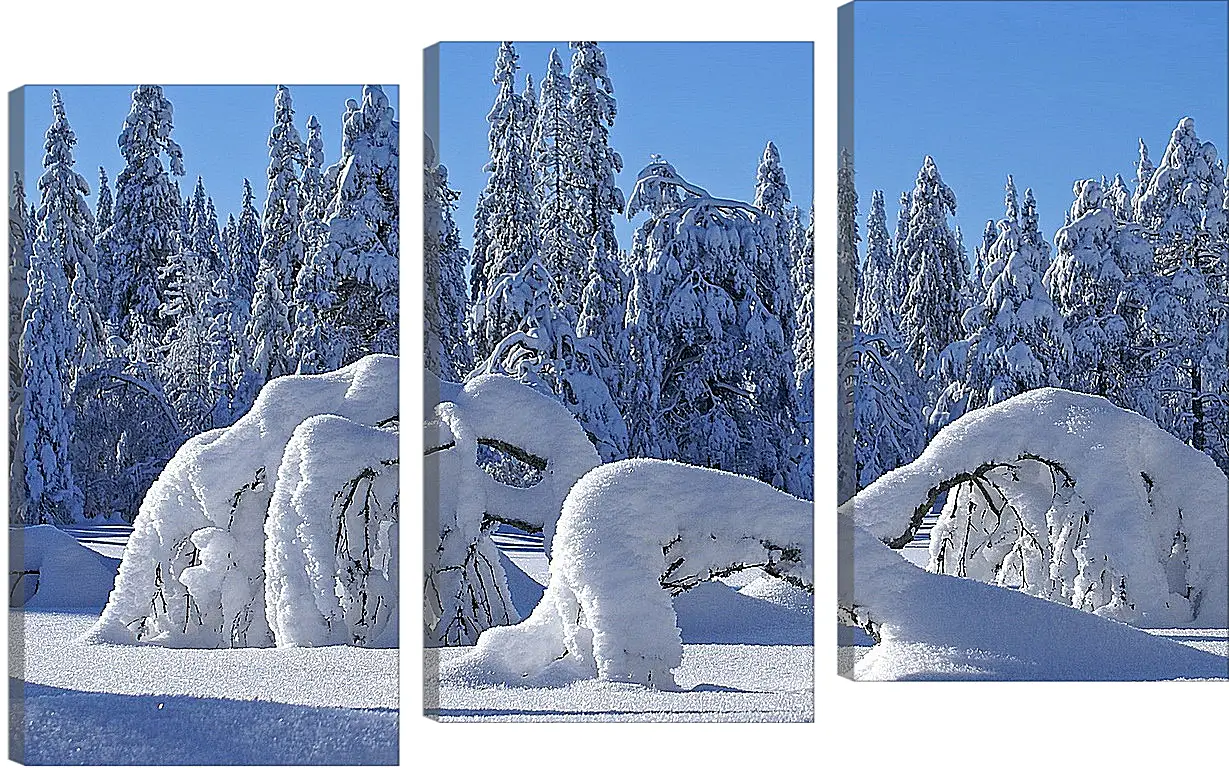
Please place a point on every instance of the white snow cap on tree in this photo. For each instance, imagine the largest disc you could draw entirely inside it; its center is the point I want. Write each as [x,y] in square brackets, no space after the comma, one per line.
[447,350]
[229,549]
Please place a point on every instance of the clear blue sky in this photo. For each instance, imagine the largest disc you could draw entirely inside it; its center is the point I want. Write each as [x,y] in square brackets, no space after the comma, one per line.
[708,108]
[1048,92]
[222,129]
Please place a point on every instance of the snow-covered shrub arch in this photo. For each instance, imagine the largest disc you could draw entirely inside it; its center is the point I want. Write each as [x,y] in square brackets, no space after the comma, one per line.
[1066,497]
[631,535]
[466,587]
[278,530]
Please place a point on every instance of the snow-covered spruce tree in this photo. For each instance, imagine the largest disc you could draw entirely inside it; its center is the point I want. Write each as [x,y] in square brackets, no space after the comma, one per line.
[448,354]
[593,106]
[900,270]
[186,360]
[361,254]
[875,311]
[803,244]
[772,197]
[724,375]
[268,330]
[640,387]
[244,268]
[602,311]
[104,212]
[930,310]
[548,355]
[310,284]
[1184,325]
[1014,339]
[1085,282]
[556,163]
[1030,229]
[145,233]
[981,259]
[505,223]
[847,285]
[51,336]
[66,229]
[887,406]
[21,242]
[282,221]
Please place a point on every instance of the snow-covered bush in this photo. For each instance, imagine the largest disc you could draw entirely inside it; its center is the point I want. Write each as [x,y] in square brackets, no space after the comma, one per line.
[213,535]
[1067,497]
[331,554]
[621,553]
[466,588]
[933,627]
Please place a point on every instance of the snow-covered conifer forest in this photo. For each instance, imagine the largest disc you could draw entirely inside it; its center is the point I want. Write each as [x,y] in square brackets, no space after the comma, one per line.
[1046,414]
[619,441]
[203,432]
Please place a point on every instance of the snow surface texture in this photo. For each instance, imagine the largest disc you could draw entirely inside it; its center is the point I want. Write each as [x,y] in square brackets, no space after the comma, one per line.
[194,571]
[1067,497]
[49,570]
[224,706]
[937,627]
[620,555]
[467,589]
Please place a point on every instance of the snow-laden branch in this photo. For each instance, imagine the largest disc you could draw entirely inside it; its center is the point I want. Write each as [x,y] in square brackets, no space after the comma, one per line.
[631,535]
[659,181]
[1070,498]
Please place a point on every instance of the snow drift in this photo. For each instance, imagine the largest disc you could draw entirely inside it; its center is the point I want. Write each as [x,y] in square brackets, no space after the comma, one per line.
[466,587]
[50,570]
[935,627]
[1067,497]
[631,535]
[254,535]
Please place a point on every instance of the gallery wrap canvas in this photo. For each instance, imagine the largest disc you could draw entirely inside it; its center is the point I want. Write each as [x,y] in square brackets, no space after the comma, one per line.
[618,251]
[1032,237]
[203,424]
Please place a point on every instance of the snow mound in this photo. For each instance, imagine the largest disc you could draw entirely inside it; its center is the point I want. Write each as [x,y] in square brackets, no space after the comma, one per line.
[466,586]
[208,531]
[937,627]
[50,570]
[1067,497]
[621,553]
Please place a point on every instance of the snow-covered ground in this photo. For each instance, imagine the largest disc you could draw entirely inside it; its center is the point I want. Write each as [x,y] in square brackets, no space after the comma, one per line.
[87,703]
[747,656]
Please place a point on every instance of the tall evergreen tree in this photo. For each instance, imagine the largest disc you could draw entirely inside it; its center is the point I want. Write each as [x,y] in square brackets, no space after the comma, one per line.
[875,309]
[145,233]
[362,250]
[282,249]
[448,354]
[556,154]
[594,107]
[21,241]
[64,210]
[722,370]
[930,312]
[104,215]
[848,283]
[244,268]
[1015,340]
[1085,281]
[505,234]
[772,197]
